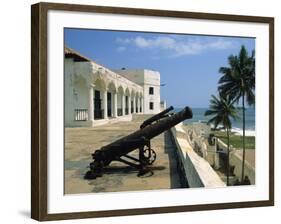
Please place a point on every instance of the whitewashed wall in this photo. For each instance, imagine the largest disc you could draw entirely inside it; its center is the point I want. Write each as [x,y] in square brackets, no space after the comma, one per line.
[145,78]
[151,79]
[68,91]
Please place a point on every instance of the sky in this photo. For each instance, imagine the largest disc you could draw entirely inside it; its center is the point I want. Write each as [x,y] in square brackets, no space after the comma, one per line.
[188,64]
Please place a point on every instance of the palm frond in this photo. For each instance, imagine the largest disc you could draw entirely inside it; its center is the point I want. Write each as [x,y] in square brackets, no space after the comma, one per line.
[239,78]
[222,109]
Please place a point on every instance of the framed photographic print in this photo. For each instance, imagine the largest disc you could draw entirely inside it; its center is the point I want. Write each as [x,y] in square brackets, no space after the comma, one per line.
[139,111]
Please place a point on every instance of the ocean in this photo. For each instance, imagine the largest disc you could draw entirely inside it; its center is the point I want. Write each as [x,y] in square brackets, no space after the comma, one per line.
[237,125]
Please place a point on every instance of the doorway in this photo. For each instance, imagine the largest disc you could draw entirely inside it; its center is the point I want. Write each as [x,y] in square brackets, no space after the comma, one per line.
[97,102]
[109,104]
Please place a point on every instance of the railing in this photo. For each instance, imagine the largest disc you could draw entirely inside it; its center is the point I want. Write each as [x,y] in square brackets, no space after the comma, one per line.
[81,114]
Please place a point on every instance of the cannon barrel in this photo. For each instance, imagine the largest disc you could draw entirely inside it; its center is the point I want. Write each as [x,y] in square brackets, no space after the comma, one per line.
[127,144]
[156,117]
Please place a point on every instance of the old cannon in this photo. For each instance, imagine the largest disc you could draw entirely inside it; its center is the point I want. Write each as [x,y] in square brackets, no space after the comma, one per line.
[140,140]
[157,117]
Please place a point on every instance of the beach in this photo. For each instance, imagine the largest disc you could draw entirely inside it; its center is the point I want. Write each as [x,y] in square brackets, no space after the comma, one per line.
[237,125]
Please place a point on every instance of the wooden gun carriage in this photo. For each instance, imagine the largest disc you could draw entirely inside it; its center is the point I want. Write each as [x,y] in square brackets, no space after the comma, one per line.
[138,140]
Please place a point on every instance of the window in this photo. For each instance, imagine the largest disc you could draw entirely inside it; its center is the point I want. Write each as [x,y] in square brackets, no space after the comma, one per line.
[151,91]
[151,105]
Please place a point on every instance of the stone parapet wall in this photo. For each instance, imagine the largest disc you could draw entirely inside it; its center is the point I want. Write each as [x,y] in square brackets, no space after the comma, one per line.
[197,170]
[236,161]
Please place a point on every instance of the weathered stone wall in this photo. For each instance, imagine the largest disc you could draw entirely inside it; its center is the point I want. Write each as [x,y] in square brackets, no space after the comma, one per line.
[197,170]
[236,161]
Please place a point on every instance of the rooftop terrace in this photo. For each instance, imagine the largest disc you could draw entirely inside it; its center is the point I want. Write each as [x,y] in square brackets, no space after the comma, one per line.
[81,142]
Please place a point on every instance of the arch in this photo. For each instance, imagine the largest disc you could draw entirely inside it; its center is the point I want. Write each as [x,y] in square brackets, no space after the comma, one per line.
[120,102]
[100,84]
[127,91]
[111,86]
[120,90]
[133,93]
[126,101]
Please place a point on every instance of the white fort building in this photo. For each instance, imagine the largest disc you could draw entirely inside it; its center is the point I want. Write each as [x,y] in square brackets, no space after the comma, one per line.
[96,95]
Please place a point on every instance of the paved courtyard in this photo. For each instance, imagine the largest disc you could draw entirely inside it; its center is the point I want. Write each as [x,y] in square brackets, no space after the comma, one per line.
[80,143]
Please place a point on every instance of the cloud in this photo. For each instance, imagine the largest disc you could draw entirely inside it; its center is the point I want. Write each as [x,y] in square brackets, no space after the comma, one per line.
[178,46]
[120,49]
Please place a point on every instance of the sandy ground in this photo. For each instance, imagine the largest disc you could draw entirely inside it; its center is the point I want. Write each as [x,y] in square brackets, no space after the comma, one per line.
[81,142]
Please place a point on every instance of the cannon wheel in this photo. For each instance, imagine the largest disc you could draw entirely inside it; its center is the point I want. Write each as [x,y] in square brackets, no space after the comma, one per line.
[95,170]
[150,155]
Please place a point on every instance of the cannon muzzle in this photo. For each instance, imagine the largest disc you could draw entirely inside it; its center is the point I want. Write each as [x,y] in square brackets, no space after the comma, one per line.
[156,117]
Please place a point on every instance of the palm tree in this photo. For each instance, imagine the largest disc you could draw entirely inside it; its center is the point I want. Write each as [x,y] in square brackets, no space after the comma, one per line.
[238,83]
[222,110]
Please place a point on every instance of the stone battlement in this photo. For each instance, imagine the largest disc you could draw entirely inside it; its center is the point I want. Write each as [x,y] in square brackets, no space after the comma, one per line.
[197,171]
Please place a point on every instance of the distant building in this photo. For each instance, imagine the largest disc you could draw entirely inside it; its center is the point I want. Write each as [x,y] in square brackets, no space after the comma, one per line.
[96,95]
[150,82]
